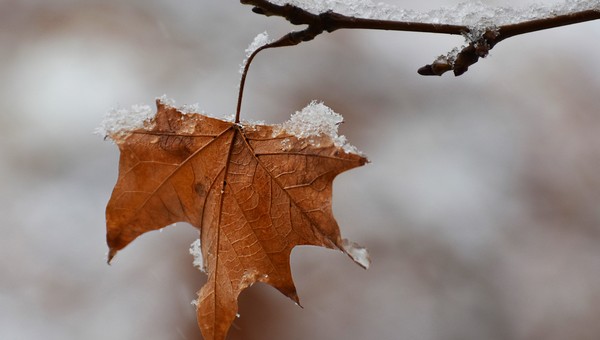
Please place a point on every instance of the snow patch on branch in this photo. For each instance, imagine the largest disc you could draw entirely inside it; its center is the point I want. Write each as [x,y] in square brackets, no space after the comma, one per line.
[472,13]
[259,41]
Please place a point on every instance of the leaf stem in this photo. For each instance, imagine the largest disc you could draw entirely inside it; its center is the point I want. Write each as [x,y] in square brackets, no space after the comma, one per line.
[290,39]
[243,82]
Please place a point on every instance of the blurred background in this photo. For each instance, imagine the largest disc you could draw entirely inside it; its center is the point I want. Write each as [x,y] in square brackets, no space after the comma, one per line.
[480,207]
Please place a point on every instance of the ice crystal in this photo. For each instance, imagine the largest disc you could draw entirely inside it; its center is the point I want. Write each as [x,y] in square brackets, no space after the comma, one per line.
[196,251]
[359,254]
[166,100]
[259,41]
[473,14]
[119,120]
[316,119]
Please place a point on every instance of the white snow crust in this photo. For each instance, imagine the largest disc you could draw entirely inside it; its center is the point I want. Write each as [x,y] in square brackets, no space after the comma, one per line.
[196,251]
[121,119]
[260,40]
[166,100]
[185,108]
[470,13]
[317,119]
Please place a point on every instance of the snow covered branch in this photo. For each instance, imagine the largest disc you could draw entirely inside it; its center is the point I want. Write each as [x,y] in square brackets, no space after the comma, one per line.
[483,27]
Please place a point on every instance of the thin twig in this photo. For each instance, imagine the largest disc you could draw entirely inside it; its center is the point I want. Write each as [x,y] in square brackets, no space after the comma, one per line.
[290,39]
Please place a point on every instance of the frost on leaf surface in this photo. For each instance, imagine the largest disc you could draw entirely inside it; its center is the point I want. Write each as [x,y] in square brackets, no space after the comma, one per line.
[251,200]
[316,119]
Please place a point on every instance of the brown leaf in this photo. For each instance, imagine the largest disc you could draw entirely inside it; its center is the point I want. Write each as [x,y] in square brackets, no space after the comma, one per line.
[254,191]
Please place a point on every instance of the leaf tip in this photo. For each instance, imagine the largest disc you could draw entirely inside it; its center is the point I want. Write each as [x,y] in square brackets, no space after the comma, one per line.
[111,253]
[289,290]
[296,299]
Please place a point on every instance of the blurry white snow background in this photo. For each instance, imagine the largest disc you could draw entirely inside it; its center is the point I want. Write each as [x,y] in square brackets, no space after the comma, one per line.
[480,207]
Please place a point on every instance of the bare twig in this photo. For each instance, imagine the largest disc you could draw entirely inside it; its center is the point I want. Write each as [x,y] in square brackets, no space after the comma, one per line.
[331,21]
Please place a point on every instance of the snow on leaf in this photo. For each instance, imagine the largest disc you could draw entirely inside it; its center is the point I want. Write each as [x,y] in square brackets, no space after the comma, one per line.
[316,119]
[119,120]
[196,252]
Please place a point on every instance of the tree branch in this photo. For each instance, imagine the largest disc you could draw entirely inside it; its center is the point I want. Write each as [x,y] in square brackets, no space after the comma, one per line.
[459,62]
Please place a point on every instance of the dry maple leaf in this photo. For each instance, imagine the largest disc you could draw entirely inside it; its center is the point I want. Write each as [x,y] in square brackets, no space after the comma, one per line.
[254,191]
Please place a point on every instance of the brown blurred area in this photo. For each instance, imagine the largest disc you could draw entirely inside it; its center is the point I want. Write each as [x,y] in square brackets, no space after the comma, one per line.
[480,207]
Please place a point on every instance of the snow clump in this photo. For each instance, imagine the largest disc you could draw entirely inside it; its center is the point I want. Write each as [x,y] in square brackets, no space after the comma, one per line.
[316,119]
[119,120]
[196,251]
